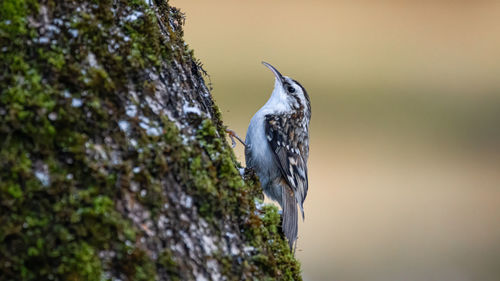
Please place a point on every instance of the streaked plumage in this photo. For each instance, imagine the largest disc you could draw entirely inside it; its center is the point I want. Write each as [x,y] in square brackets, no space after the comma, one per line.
[277,147]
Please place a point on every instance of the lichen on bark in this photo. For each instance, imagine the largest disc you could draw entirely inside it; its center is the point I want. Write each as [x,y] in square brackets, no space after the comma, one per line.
[113,161]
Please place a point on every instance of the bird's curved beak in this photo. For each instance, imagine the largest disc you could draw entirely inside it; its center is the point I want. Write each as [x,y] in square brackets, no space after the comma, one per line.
[275,71]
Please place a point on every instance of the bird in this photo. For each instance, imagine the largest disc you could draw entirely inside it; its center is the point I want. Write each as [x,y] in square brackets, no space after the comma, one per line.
[277,149]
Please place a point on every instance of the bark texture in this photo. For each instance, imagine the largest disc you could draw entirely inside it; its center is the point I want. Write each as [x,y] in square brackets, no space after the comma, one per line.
[113,161]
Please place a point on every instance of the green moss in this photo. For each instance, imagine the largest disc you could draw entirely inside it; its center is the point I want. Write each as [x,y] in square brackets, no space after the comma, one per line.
[166,262]
[60,177]
[81,264]
[238,198]
[54,229]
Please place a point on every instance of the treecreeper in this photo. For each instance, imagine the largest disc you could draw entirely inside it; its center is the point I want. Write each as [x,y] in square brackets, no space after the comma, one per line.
[277,148]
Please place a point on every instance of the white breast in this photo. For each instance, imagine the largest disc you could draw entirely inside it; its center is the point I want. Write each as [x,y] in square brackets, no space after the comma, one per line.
[256,138]
[261,156]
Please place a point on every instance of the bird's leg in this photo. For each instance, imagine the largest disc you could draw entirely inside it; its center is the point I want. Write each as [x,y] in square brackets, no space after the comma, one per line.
[232,134]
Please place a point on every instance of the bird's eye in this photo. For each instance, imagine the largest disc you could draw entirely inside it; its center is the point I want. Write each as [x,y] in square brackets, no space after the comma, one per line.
[291,89]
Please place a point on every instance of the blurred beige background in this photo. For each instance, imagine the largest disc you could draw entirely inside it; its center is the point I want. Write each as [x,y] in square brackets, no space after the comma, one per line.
[405,136]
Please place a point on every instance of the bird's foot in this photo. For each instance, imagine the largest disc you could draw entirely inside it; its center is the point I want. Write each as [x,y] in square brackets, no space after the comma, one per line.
[232,134]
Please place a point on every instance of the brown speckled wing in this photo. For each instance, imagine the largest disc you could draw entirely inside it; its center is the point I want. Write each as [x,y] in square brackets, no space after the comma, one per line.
[289,141]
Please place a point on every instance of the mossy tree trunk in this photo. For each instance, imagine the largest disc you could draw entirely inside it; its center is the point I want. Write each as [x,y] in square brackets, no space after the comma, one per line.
[113,159]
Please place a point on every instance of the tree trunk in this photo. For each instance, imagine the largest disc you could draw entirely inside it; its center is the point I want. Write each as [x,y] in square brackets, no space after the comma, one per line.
[114,163]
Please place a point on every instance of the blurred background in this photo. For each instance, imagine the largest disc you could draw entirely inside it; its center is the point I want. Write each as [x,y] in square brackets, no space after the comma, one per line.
[404,164]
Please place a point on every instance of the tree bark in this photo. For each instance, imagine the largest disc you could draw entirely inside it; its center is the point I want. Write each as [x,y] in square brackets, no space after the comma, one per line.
[114,163]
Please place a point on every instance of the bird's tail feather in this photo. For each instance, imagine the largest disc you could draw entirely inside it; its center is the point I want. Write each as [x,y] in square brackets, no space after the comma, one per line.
[290,218]
[302,211]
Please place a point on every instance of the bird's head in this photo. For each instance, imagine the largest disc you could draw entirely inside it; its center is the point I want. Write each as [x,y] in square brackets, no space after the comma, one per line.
[288,92]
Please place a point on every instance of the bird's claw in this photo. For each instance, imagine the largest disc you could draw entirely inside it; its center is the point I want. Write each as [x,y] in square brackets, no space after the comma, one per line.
[233,142]
[233,135]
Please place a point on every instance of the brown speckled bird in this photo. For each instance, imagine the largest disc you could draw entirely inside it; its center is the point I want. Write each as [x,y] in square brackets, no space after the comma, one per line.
[277,148]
